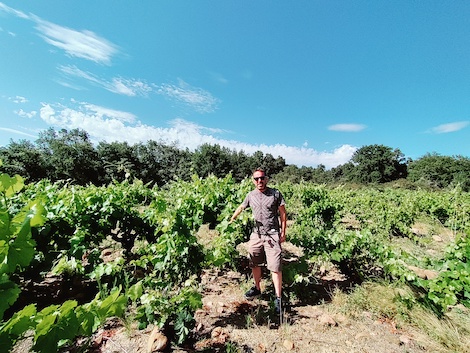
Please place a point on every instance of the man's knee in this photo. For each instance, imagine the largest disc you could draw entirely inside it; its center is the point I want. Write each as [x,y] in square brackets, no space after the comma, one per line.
[256,259]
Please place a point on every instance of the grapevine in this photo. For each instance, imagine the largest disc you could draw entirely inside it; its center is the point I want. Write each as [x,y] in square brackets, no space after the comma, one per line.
[70,231]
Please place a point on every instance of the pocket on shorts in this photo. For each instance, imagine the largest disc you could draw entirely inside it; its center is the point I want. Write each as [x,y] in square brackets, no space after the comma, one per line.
[274,234]
[256,259]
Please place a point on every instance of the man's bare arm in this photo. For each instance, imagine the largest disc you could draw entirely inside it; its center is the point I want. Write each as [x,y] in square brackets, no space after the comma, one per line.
[283,217]
[237,212]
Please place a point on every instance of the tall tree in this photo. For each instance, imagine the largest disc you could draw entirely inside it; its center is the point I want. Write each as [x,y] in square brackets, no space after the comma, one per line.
[161,163]
[378,164]
[212,159]
[267,162]
[241,165]
[342,173]
[257,161]
[290,173]
[441,171]
[23,158]
[69,155]
[119,159]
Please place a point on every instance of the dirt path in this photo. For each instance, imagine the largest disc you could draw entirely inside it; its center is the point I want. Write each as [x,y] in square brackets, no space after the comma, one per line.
[253,326]
[229,323]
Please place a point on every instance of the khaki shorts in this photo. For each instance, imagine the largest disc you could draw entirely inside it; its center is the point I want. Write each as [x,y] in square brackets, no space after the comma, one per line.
[265,249]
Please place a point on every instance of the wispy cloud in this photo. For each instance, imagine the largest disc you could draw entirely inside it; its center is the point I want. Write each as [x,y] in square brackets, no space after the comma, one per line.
[451,127]
[119,85]
[17,132]
[106,113]
[103,124]
[347,127]
[82,115]
[88,45]
[71,85]
[218,77]
[197,98]
[12,34]
[24,114]
[72,70]
[129,87]
[12,11]
[81,44]
[18,99]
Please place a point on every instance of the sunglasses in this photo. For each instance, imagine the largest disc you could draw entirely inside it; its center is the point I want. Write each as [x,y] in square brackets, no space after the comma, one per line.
[259,178]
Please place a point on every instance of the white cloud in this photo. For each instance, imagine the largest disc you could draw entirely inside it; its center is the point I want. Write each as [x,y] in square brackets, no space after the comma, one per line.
[119,85]
[103,124]
[299,155]
[81,44]
[451,127]
[72,70]
[107,113]
[17,13]
[347,127]
[197,98]
[18,132]
[70,85]
[18,99]
[129,87]
[83,115]
[24,114]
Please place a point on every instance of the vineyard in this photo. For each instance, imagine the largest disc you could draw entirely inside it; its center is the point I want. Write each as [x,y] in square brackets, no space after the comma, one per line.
[71,257]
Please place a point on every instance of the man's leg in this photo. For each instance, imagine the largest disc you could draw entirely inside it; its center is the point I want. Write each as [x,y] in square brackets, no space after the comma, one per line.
[277,282]
[257,257]
[273,252]
[257,276]
[256,290]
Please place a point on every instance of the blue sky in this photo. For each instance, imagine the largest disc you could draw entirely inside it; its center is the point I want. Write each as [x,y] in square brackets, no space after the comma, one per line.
[310,81]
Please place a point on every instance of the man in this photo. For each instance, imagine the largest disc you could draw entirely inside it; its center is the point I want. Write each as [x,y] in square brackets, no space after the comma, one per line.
[268,206]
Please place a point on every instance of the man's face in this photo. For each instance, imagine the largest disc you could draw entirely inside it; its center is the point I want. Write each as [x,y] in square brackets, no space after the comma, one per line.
[260,180]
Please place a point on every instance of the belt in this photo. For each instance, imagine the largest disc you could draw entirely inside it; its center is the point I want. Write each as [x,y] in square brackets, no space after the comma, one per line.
[266,233]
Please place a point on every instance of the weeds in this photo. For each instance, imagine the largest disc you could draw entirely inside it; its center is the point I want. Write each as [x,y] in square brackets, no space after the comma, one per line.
[397,305]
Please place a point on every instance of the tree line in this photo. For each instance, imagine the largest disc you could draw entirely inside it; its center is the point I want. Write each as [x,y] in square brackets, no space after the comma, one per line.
[70,155]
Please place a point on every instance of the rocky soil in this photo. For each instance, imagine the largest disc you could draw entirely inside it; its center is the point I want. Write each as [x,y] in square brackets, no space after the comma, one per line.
[229,323]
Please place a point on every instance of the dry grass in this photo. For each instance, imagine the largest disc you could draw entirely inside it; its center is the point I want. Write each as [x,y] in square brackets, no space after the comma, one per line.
[385,302]
[448,334]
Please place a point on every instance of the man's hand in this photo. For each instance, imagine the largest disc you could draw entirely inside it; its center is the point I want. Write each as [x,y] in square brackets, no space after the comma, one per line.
[236,213]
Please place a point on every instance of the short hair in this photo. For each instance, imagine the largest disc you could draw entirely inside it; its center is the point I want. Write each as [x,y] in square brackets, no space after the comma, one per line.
[259,169]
